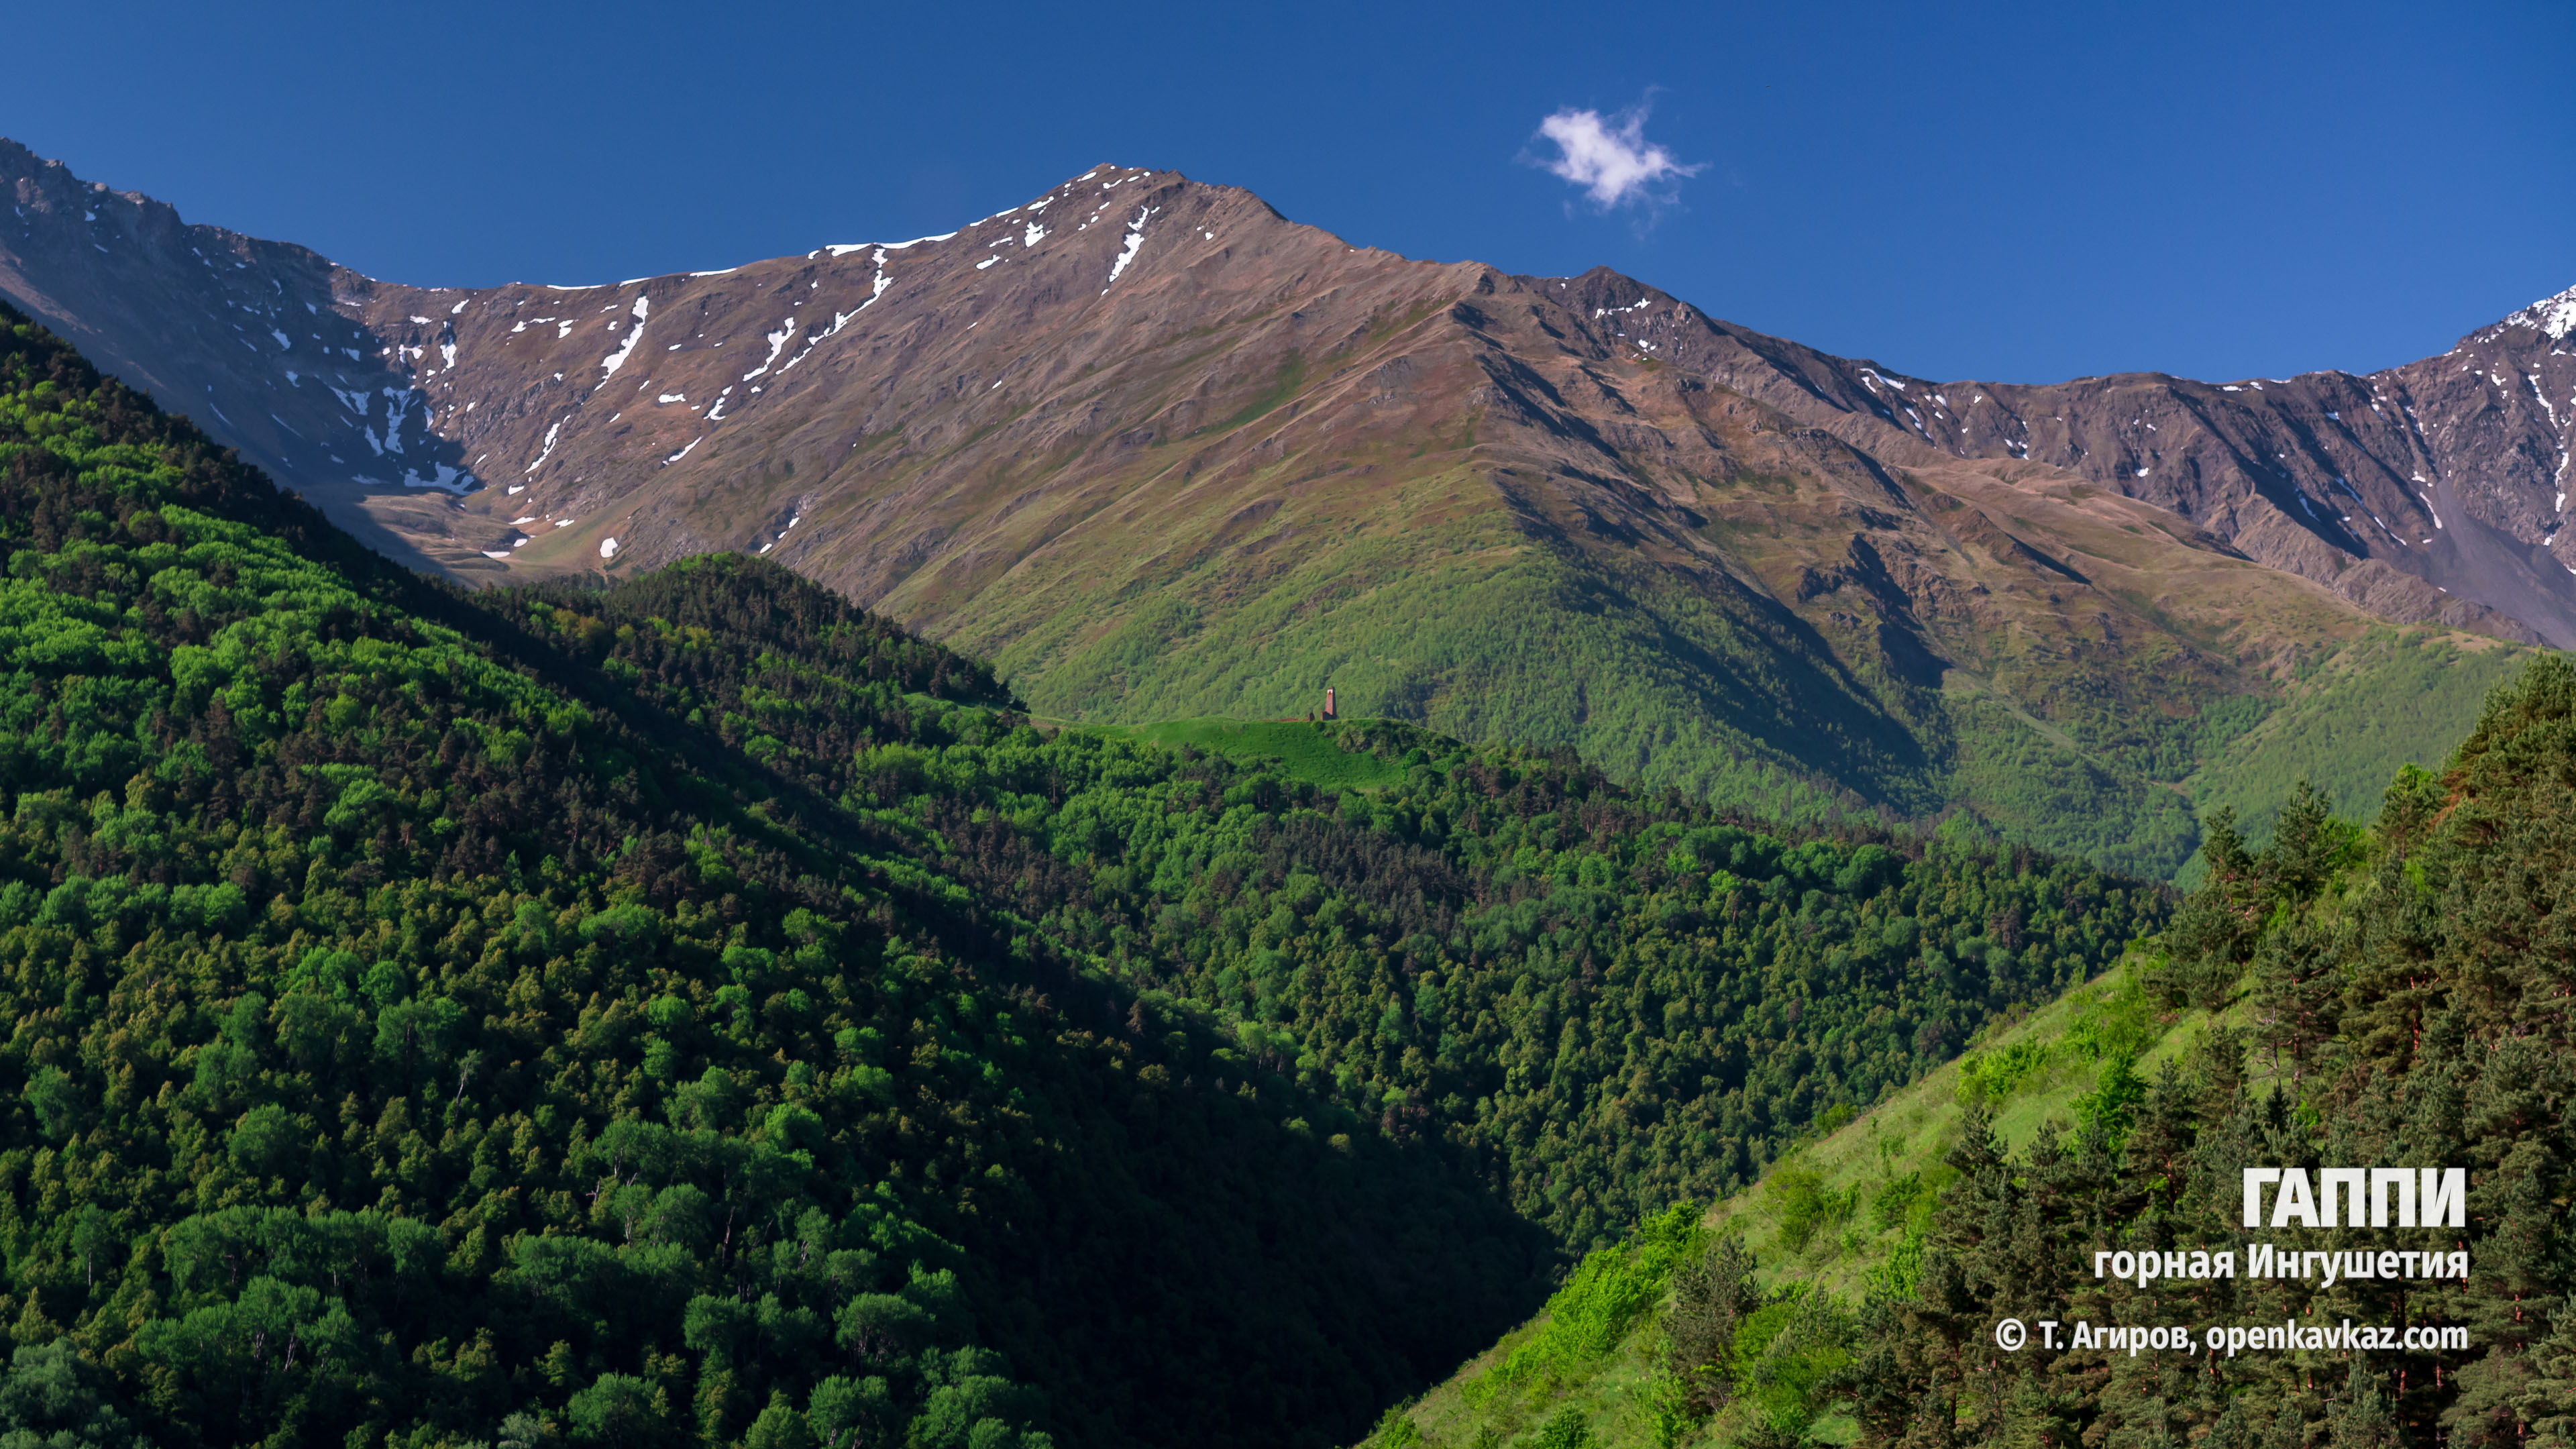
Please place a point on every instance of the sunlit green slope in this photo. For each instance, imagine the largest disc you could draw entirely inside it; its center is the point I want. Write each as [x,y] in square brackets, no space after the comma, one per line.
[2342,995]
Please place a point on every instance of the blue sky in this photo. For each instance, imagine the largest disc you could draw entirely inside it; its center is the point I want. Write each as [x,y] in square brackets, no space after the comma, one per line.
[2020,192]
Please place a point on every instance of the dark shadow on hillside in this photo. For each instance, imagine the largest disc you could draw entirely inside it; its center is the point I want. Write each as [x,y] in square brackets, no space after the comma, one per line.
[1194,1249]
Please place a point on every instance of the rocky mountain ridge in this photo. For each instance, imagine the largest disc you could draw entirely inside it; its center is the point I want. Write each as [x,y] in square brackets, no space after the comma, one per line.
[1158,451]
[2332,476]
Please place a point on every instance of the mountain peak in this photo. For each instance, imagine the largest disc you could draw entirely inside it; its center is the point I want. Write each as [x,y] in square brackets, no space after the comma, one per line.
[2554,316]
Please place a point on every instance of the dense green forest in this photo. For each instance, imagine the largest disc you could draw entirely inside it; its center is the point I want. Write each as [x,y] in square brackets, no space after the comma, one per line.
[698,1012]
[1606,999]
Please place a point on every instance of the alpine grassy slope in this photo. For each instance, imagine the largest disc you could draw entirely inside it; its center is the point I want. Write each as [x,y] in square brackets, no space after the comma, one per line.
[698,1012]
[2394,994]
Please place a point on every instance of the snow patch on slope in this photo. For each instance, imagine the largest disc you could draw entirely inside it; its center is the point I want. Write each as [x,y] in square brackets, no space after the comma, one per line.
[617,359]
[551,434]
[1135,239]
[840,320]
[777,341]
[440,476]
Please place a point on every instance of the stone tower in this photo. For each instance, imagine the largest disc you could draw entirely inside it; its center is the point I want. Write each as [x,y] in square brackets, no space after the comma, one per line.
[1328,702]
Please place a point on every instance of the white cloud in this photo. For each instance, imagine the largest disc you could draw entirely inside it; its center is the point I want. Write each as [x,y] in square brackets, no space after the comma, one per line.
[1610,158]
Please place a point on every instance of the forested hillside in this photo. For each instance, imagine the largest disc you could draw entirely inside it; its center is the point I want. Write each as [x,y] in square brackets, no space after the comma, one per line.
[2403,990]
[2393,995]
[699,1012]
[1606,999]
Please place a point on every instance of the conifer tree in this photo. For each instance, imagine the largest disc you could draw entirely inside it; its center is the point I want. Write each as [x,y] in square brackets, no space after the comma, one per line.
[2213,935]
[1711,1297]
[2409,995]
[2362,1418]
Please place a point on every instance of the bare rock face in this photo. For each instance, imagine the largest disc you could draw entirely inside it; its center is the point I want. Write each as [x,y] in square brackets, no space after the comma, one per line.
[265,344]
[2429,492]
[2450,471]
[1157,449]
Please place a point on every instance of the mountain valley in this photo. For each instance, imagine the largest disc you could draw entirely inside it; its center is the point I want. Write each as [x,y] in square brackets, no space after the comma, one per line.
[748,858]
[698,1011]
